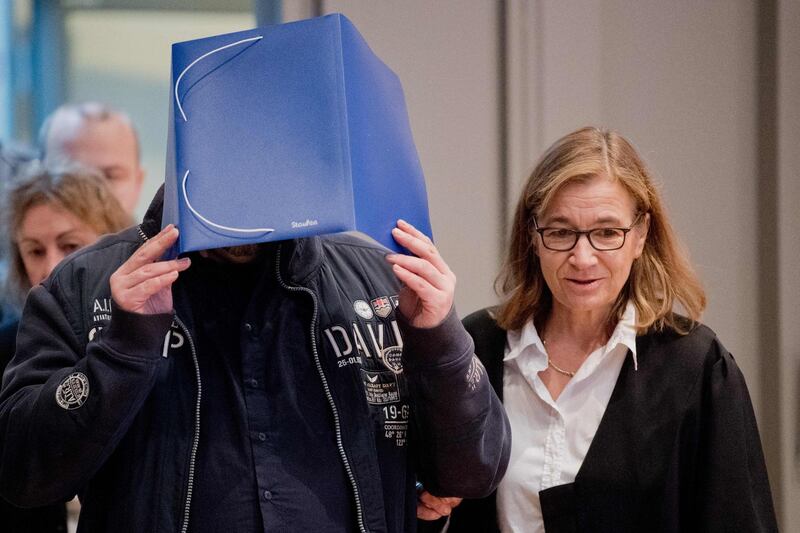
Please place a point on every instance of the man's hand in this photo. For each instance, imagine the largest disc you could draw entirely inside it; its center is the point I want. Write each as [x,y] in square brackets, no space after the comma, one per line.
[428,283]
[430,507]
[143,284]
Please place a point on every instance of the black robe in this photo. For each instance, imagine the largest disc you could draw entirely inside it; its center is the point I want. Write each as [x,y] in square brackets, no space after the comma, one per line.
[676,450]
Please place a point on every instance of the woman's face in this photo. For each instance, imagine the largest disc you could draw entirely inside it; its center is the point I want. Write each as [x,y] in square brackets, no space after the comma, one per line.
[47,234]
[584,279]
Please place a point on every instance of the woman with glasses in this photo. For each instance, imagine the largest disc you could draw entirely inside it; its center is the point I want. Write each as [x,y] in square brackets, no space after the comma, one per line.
[625,415]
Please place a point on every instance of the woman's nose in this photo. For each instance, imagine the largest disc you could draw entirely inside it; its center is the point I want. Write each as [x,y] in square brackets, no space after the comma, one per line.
[583,254]
[53,259]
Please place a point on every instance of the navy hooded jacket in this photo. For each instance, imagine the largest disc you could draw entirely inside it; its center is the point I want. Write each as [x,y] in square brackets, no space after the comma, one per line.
[106,404]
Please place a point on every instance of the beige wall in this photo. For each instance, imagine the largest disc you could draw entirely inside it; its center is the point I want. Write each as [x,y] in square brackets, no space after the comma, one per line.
[446,57]
[788,167]
[123,58]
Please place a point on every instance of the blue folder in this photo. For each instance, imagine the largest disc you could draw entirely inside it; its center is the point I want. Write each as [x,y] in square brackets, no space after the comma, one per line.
[288,131]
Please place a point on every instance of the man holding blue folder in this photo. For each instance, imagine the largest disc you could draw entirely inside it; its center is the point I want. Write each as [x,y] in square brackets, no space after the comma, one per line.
[258,370]
[300,386]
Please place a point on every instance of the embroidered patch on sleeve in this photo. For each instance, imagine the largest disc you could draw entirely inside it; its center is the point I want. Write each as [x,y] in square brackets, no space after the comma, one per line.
[475,373]
[73,391]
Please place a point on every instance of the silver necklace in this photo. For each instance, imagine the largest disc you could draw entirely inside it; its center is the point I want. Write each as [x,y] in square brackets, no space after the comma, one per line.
[555,367]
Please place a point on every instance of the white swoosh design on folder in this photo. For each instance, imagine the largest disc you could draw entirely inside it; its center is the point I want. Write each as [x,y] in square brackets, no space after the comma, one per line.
[186,176]
[214,224]
[193,63]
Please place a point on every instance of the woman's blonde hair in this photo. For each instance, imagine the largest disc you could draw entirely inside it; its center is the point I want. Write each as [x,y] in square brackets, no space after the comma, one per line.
[78,190]
[661,277]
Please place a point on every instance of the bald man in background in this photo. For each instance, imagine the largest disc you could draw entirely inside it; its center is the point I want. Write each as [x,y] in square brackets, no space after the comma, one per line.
[98,136]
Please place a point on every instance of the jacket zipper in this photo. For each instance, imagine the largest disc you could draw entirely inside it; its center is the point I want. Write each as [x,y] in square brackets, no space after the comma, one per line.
[196,438]
[326,388]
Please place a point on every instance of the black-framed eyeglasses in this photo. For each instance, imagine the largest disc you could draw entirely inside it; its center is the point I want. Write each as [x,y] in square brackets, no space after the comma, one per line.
[601,239]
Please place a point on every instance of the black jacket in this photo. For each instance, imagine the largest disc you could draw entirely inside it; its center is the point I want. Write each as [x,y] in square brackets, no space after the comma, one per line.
[50,519]
[105,403]
[676,450]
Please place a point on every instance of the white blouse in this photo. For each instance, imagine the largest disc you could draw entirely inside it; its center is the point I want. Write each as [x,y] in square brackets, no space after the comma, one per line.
[550,438]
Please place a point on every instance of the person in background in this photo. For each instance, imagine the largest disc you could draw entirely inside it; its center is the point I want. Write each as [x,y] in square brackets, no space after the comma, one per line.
[626,415]
[47,214]
[97,136]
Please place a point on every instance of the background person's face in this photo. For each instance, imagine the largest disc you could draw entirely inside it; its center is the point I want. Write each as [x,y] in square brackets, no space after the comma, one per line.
[110,147]
[47,234]
[584,279]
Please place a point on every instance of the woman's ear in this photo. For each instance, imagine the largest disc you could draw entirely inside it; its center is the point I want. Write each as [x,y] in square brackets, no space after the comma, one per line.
[642,228]
[534,236]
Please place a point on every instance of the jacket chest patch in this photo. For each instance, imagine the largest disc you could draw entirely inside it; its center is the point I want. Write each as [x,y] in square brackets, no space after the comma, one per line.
[381,306]
[395,423]
[367,343]
[368,335]
[381,387]
[392,358]
[363,309]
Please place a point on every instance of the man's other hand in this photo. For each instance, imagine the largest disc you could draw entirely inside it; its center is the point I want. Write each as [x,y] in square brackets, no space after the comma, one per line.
[143,283]
[428,283]
[430,507]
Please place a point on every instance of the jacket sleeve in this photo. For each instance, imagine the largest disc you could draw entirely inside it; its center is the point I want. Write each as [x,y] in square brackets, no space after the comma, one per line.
[55,436]
[732,489]
[463,434]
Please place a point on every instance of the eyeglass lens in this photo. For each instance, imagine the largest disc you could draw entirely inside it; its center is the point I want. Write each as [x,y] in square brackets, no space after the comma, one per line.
[563,239]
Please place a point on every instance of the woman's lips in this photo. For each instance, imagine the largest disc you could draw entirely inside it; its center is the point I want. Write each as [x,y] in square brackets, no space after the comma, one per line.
[583,283]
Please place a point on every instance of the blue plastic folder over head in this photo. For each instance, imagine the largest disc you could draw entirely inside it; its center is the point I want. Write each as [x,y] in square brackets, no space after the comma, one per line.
[288,131]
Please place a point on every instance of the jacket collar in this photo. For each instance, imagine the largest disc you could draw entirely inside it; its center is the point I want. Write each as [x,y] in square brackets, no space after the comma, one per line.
[300,258]
[151,223]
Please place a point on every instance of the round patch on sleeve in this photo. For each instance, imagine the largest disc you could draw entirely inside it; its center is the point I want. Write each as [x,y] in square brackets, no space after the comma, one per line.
[73,391]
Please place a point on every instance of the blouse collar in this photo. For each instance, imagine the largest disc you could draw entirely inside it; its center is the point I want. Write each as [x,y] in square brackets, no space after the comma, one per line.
[624,333]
